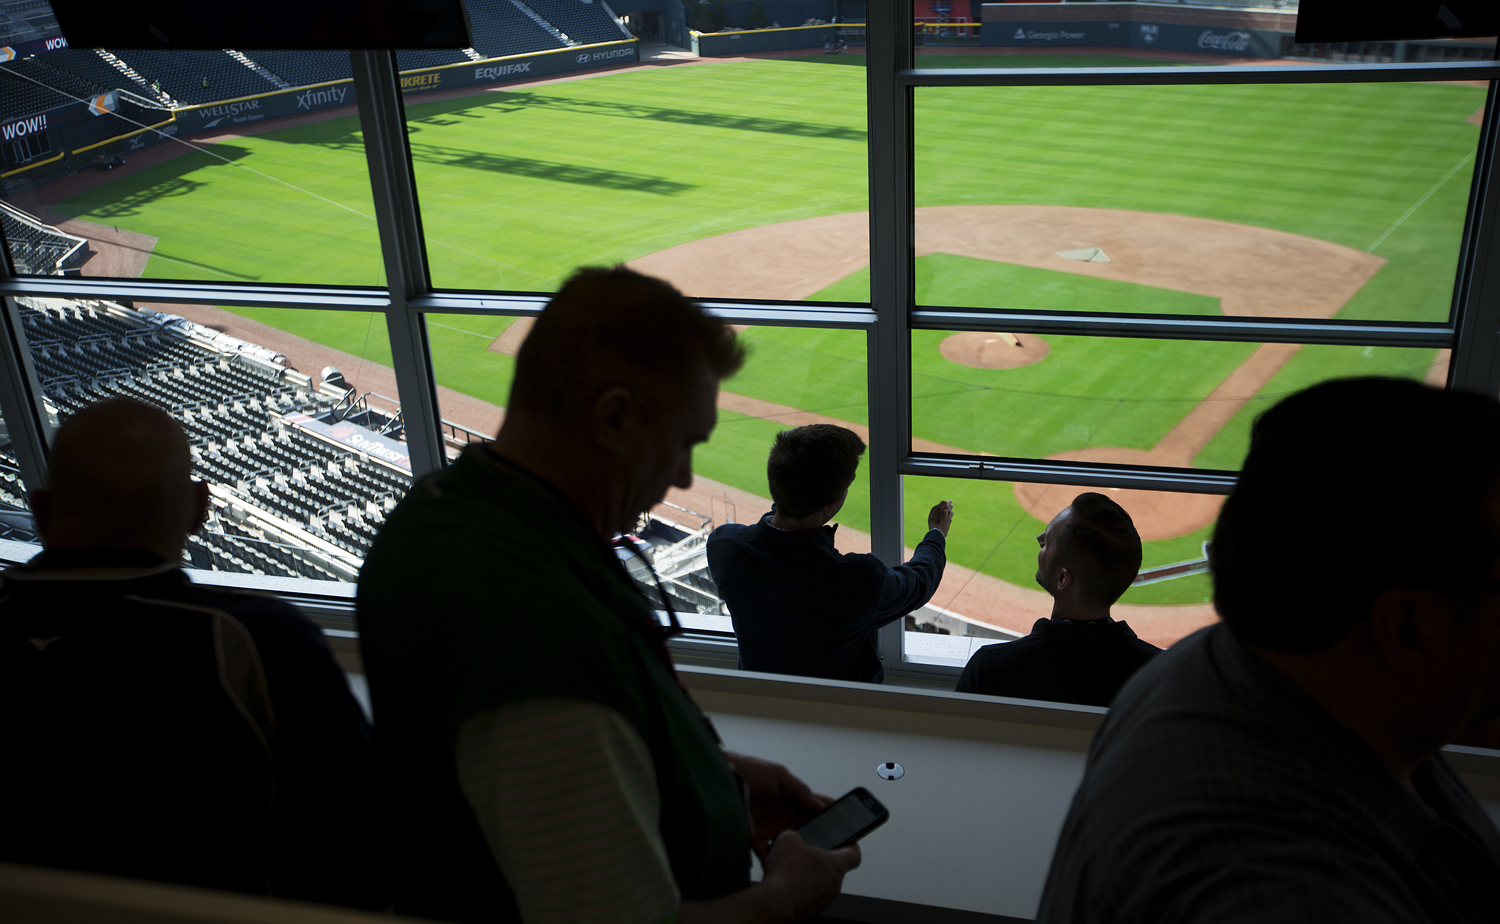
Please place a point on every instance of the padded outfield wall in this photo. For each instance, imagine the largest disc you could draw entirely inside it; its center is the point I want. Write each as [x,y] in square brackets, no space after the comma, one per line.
[1156,26]
[76,139]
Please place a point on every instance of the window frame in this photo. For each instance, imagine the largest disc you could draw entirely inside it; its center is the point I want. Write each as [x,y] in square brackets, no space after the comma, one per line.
[1472,332]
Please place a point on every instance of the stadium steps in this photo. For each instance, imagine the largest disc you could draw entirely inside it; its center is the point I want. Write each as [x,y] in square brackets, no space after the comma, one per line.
[500,30]
[537,18]
[134,77]
[303,68]
[240,57]
[183,74]
[583,23]
[417,59]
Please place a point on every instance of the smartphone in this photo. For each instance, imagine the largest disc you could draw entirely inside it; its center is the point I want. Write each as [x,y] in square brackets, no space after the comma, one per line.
[845,821]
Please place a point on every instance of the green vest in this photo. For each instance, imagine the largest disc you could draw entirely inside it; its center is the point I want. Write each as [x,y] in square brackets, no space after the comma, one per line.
[487,588]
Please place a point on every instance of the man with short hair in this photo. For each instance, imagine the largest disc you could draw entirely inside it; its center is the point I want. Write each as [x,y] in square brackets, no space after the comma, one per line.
[1285,765]
[798,605]
[161,729]
[546,764]
[1090,553]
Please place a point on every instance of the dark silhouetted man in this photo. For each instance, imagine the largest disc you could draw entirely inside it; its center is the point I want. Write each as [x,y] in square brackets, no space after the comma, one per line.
[1284,764]
[547,763]
[159,729]
[800,606]
[1090,553]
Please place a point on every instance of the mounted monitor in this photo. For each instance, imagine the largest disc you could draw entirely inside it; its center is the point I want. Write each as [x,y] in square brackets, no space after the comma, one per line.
[277,24]
[1395,20]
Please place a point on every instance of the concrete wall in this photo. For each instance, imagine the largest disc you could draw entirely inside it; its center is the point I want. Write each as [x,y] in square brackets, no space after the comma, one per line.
[988,782]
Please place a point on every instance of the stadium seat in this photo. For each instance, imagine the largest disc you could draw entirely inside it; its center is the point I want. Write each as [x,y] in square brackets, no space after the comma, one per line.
[500,30]
[303,68]
[184,73]
[228,409]
[583,23]
[85,63]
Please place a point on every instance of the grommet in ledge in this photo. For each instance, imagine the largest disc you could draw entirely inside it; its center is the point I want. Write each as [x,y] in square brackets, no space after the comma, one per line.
[890,771]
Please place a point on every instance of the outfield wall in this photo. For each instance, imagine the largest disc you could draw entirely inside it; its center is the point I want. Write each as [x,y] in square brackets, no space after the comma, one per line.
[719,44]
[1158,26]
[302,100]
[77,140]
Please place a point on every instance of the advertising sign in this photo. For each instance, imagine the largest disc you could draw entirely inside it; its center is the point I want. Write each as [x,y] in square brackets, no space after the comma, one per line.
[356,437]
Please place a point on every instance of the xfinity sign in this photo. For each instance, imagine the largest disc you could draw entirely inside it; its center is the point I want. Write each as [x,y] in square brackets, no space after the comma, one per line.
[329,96]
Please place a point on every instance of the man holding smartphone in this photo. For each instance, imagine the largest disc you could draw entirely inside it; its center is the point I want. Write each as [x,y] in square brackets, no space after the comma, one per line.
[544,761]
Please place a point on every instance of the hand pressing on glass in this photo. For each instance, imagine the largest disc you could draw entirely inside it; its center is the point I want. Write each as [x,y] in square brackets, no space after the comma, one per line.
[941,516]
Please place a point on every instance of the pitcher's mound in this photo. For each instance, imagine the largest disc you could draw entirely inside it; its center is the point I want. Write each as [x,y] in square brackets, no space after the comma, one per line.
[994,351]
[1157,514]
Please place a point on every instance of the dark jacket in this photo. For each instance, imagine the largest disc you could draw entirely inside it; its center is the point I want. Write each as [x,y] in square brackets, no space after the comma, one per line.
[158,729]
[1061,661]
[801,607]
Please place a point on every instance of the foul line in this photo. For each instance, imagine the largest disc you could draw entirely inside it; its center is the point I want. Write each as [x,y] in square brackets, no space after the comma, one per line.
[1428,195]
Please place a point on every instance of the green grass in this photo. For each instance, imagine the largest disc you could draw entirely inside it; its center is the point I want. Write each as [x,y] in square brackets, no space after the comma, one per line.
[520,186]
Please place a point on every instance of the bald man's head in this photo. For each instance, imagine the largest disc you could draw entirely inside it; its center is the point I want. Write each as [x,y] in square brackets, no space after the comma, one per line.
[120,477]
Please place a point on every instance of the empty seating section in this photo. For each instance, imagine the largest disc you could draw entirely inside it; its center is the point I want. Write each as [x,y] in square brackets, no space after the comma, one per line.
[499,30]
[233,412]
[23,97]
[86,64]
[302,68]
[183,74]
[71,85]
[25,20]
[35,248]
[413,59]
[584,23]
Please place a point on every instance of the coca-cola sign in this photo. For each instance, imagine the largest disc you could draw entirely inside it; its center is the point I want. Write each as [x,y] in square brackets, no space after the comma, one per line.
[1228,41]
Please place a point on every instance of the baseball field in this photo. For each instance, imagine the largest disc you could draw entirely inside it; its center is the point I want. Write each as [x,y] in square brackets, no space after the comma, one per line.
[747,178]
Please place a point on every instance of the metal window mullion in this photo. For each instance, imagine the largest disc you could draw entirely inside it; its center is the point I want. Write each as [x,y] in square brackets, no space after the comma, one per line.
[1085,474]
[21,398]
[1196,76]
[198,293]
[1188,327]
[892,238]
[20,390]
[382,118]
[1476,356]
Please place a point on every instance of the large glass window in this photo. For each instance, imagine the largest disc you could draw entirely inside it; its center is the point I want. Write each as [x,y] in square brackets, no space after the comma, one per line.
[742,179]
[1131,401]
[989,592]
[302,450]
[201,165]
[1310,201]
[792,377]
[742,174]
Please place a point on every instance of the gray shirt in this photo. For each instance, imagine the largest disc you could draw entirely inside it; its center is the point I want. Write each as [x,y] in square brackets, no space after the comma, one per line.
[1218,791]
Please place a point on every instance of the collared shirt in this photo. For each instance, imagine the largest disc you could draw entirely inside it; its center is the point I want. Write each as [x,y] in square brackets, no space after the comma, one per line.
[799,606]
[1218,791]
[161,729]
[1061,661]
